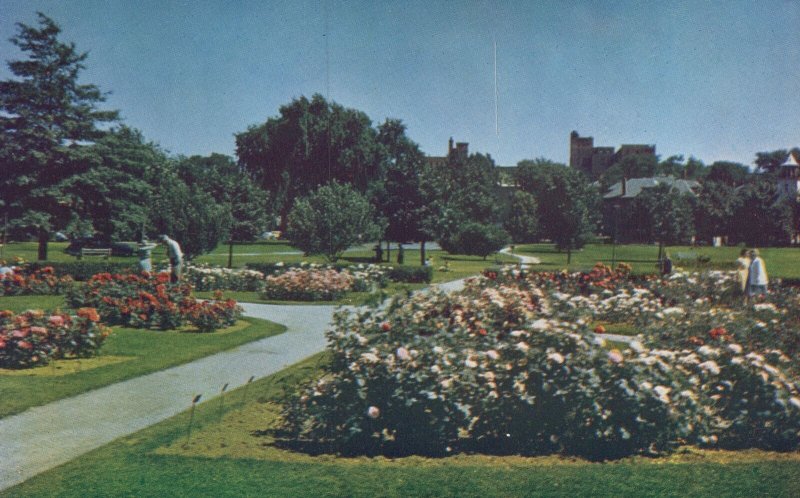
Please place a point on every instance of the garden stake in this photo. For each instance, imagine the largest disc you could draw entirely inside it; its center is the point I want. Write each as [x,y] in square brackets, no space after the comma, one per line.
[191,419]
[222,399]
[244,395]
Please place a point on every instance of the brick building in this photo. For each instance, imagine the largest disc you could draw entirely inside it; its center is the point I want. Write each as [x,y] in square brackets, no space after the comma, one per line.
[594,161]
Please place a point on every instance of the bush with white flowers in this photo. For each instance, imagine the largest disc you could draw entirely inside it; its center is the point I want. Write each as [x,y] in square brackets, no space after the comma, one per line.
[510,366]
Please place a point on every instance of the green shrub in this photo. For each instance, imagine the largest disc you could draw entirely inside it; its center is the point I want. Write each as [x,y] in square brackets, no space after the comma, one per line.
[84,270]
[477,239]
[411,274]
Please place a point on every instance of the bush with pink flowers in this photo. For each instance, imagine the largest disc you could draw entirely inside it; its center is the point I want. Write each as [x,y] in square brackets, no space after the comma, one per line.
[40,281]
[34,338]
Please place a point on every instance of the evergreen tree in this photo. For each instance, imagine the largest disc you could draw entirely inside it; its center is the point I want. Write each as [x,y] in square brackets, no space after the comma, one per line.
[46,119]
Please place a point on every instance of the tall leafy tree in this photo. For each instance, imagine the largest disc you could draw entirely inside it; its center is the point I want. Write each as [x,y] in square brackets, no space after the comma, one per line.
[522,222]
[229,185]
[769,162]
[554,186]
[729,173]
[46,119]
[111,198]
[670,216]
[309,144]
[186,213]
[331,219]
[761,217]
[465,190]
[716,203]
[403,201]
[576,213]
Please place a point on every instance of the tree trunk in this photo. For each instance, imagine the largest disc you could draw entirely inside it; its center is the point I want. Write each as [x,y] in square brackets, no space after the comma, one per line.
[230,253]
[422,253]
[43,238]
[388,252]
[569,255]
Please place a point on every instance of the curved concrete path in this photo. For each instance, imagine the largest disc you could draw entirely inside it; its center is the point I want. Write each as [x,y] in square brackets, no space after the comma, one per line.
[46,436]
[524,260]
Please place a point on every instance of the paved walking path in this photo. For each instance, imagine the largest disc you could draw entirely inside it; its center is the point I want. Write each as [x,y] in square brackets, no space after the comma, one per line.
[46,436]
[524,260]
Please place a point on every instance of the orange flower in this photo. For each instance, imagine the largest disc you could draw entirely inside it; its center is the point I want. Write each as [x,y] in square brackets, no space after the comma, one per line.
[600,329]
[386,326]
[717,332]
[89,313]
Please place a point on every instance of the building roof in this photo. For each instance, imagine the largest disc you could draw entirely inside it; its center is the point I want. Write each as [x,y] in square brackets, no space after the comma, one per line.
[634,186]
[791,162]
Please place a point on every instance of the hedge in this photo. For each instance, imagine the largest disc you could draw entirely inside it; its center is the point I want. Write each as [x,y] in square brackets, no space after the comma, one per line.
[411,274]
[83,270]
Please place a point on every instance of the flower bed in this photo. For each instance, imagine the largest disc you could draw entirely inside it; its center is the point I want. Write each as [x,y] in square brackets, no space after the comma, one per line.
[211,278]
[510,365]
[151,301]
[312,282]
[34,338]
[39,281]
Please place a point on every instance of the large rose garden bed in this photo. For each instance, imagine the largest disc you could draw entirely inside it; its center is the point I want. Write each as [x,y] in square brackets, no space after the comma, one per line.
[512,365]
[145,301]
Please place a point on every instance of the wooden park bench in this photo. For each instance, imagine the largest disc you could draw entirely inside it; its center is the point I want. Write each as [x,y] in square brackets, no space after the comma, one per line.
[85,251]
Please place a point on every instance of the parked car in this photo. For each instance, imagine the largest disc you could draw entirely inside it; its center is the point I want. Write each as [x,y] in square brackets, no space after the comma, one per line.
[117,248]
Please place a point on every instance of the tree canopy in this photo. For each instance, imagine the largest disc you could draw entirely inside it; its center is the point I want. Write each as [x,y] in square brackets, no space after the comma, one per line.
[309,144]
[46,119]
[331,219]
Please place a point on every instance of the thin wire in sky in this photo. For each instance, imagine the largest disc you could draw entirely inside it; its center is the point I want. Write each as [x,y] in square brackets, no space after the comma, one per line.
[496,95]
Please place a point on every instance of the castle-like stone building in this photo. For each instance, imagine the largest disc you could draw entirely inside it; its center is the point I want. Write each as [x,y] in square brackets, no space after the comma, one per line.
[594,161]
[458,150]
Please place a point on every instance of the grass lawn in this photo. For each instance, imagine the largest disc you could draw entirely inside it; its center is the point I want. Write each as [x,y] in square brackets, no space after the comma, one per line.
[18,304]
[224,458]
[127,353]
[782,262]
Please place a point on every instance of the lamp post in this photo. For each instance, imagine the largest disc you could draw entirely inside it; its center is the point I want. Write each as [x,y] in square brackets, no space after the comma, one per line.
[614,237]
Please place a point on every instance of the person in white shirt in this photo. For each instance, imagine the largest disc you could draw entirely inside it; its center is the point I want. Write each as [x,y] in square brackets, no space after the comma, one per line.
[743,269]
[175,258]
[757,278]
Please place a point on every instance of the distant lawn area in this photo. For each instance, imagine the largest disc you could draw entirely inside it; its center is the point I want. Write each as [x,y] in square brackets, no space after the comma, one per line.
[273,251]
[225,458]
[782,262]
[126,353]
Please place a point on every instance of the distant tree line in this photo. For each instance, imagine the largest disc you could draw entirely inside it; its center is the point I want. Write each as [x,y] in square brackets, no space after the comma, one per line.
[327,177]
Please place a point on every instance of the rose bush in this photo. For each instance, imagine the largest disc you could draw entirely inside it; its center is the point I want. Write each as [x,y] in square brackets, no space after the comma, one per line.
[511,365]
[34,337]
[40,281]
[313,282]
[212,278]
[151,301]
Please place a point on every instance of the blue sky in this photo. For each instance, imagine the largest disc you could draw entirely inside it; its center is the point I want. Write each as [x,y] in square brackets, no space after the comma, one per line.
[713,79]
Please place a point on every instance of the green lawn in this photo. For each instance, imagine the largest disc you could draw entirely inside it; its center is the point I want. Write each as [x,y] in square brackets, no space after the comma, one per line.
[225,459]
[18,304]
[782,262]
[127,353]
